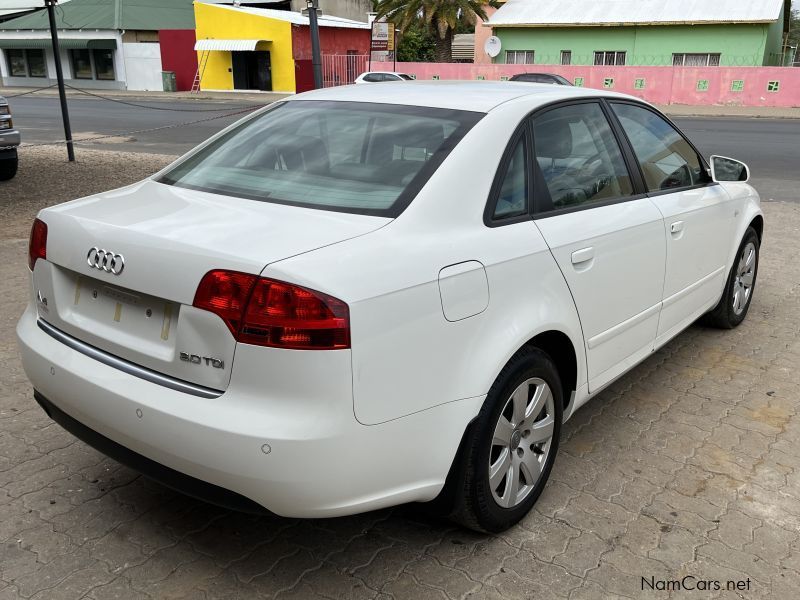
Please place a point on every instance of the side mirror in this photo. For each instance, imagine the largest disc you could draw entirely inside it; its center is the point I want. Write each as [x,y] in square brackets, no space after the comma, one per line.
[728,169]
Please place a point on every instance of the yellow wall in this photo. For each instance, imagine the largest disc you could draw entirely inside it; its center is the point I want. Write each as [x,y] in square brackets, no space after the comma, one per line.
[224,23]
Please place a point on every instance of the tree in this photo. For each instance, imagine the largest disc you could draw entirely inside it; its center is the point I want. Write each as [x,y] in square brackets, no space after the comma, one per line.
[416,45]
[439,17]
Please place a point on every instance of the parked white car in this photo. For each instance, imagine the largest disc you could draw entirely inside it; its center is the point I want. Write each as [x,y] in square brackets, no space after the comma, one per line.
[381,76]
[361,297]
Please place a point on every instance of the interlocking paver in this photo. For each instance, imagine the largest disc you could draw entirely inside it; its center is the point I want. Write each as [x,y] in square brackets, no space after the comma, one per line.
[688,465]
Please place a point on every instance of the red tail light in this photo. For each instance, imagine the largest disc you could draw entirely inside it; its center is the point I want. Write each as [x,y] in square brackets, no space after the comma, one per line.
[37,245]
[273,313]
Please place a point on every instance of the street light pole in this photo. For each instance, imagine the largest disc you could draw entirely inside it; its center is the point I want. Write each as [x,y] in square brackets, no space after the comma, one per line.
[51,12]
[316,57]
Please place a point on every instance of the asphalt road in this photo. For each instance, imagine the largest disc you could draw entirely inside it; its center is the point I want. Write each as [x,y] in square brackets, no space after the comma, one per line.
[768,146]
[39,120]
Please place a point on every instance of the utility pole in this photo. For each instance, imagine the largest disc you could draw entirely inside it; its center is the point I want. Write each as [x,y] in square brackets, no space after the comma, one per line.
[316,57]
[51,12]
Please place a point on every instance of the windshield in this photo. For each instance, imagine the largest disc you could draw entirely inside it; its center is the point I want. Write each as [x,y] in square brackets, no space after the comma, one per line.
[344,156]
[406,77]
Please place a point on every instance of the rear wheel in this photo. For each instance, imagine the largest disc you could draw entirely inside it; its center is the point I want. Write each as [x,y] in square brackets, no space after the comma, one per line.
[510,449]
[8,165]
[738,293]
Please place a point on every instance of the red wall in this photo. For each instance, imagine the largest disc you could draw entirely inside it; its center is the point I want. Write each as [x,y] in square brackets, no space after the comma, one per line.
[177,54]
[333,40]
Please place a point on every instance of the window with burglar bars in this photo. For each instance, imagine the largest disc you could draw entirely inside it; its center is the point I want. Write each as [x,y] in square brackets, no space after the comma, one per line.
[566,57]
[695,60]
[519,57]
[609,57]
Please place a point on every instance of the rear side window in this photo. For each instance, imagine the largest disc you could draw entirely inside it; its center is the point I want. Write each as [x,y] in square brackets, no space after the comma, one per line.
[579,157]
[667,160]
[373,77]
[345,156]
[512,199]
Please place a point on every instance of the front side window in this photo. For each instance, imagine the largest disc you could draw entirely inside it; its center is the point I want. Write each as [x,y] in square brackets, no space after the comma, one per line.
[16,63]
[81,64]
[512,199]
[104,64]
[666,158]
[579,157]
[345,156]
[36,64]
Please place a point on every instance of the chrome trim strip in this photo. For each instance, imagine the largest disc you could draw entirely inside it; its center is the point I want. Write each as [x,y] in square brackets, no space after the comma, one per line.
[606,335]
[688,290]
[126,366]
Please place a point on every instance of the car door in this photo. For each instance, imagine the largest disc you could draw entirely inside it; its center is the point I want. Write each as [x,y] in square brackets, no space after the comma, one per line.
[698,216]
[607,238]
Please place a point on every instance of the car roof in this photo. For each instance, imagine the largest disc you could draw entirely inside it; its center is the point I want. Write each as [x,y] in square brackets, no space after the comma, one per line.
[478,96]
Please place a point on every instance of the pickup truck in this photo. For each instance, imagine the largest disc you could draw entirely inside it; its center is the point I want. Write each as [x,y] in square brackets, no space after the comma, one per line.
[9,140]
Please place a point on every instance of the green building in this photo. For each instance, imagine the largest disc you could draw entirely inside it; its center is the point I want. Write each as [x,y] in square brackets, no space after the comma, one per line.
[643,32]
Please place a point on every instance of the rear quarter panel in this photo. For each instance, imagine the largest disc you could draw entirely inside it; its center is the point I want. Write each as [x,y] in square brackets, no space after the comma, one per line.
[407,357]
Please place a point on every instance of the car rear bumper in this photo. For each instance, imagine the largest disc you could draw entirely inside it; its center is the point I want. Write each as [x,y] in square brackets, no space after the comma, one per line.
[296,449]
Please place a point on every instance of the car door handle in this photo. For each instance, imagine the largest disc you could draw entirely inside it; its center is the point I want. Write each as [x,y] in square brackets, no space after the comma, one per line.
[676,227]
[583,255]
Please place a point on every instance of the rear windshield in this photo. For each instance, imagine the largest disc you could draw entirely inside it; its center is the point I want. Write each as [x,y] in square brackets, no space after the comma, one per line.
[344,156]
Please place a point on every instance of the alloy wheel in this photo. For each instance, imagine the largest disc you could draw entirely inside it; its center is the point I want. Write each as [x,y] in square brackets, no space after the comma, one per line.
[745,276]
[521,442]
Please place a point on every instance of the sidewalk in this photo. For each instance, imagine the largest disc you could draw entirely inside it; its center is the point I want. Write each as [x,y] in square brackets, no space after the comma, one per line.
[762,112]
[255,97]
[675,110]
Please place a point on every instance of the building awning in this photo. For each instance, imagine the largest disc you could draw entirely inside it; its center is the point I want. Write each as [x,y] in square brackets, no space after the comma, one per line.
[228,45]
[63,43]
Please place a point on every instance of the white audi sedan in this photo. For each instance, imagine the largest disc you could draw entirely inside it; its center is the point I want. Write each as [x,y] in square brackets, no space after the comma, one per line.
[371,295]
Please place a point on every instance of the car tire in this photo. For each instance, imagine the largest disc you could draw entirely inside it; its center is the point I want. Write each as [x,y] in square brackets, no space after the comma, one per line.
[732,308]
[8,167]
[493,504]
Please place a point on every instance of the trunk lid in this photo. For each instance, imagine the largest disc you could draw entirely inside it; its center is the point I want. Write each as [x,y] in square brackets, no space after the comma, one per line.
[168,238]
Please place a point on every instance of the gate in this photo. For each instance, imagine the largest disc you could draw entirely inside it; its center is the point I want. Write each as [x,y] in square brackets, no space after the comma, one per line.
[342,69]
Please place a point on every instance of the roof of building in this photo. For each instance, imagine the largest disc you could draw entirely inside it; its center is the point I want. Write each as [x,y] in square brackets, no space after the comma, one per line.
[12,7]
[147,15]
[295,18]
[478,96]
[542,13]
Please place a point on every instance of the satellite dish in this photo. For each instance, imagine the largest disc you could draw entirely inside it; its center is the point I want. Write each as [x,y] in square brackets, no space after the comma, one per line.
[492,46]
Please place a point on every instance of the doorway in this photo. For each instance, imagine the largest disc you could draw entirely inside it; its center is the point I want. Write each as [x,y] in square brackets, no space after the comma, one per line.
[252,71]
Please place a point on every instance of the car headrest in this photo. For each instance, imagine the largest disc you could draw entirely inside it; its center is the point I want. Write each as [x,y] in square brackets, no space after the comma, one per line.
[553,137]
[426,136]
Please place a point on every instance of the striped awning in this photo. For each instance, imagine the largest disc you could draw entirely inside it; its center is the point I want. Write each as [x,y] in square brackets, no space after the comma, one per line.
[63,43]
[228,45]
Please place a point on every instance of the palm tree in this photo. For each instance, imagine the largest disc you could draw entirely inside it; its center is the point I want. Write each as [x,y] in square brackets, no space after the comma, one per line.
[440,16]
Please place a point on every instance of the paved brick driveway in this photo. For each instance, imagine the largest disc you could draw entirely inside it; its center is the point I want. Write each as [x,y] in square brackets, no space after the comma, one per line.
[689,465]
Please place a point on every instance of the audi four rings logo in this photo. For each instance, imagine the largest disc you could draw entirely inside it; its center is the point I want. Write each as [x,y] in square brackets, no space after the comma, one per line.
[105,260]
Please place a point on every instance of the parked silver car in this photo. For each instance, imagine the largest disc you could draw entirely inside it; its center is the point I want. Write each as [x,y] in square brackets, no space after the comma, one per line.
[9,140]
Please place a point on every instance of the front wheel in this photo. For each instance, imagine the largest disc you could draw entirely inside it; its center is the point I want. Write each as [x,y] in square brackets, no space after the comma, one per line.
[739,288]
[512,445]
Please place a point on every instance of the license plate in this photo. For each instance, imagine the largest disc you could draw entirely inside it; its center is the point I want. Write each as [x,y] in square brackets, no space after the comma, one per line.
[139,315]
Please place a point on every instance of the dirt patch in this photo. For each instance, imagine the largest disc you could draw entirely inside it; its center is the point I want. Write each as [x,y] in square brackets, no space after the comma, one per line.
[46,178]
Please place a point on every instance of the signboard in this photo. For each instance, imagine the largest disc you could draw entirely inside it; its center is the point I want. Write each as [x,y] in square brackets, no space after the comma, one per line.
[382,37]
[382,43]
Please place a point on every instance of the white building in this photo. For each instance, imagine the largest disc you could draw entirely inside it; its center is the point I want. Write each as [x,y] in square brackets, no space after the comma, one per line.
[113,45]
